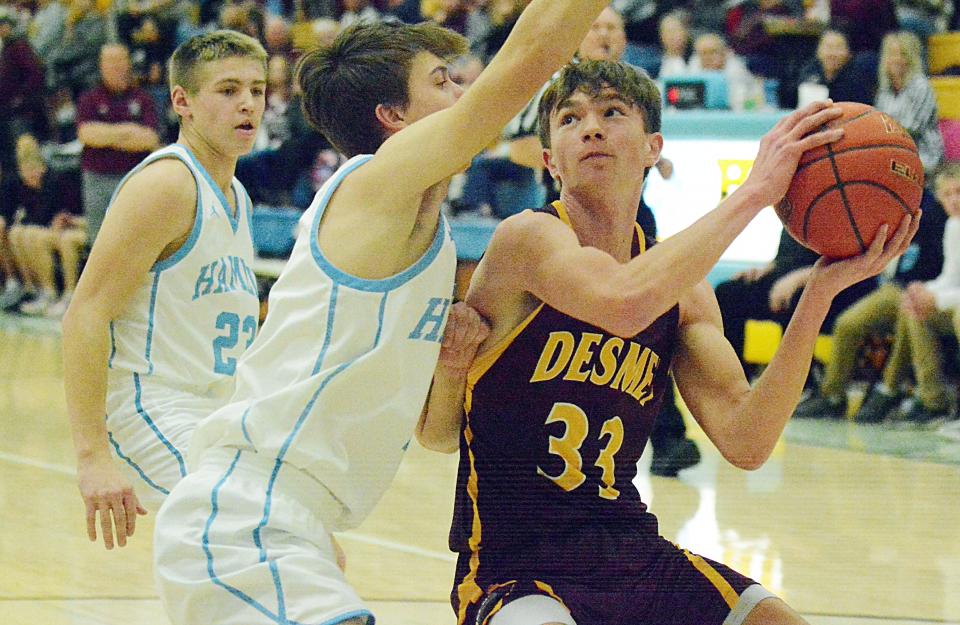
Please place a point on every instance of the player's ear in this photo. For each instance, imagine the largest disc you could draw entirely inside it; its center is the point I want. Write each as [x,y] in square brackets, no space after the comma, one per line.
[550,165]
[655,141]
[390,117]
[180,101]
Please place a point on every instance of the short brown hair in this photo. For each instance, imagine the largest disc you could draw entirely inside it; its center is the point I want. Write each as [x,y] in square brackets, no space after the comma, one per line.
[197,51]
[368,64]
[592,77]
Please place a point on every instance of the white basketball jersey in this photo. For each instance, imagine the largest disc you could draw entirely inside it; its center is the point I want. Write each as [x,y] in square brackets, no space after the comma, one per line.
[195,312]
[336,380]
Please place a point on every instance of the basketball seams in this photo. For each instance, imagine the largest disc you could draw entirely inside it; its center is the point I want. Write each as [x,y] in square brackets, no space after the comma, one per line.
[858,148]
[868,183]
[841,187]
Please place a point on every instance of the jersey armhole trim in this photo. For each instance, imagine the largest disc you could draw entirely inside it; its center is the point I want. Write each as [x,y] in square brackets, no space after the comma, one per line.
[486,360]
[354,282]
[191,241]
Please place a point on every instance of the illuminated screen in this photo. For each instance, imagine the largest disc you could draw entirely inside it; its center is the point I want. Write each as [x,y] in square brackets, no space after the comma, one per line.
[703,171]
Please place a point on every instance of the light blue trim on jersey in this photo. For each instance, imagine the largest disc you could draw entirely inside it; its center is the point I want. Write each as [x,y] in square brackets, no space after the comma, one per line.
[243,425]
[198,219]
[361,284]
[268,500]
[113,346]
[234,219]
[138,393]
[331,309]
[153,310]
[134,465]
[280,619]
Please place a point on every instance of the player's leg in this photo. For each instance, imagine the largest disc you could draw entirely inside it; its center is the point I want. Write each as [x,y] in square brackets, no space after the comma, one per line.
[772,611]
[39,242]
[243,541]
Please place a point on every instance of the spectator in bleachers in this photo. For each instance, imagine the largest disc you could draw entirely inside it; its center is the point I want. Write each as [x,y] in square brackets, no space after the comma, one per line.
[352,11]
[772,292]
[676,45]
[278,39]
[12,291]
[712,54]
[503,15]
[22,104]
[275,126]
[865,22]
[72,63]
[148,28]
[42,200]
[923,17]
[876,314]
[246,17]
[835,70]
[750,37]
[118,126]
[927,312]
[407,11]
[46,26]
[904,93]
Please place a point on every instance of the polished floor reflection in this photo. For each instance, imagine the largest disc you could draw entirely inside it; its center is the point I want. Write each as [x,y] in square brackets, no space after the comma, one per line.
[846,536]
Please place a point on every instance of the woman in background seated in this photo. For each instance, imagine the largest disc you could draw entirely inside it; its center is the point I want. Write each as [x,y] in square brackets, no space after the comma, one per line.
[905,94]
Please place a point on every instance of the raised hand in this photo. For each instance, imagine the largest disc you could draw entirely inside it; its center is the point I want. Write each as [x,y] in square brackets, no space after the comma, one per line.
[846,272]
[782,147]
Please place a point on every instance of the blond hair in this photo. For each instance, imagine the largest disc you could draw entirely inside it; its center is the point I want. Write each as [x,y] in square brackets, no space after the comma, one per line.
[194,53]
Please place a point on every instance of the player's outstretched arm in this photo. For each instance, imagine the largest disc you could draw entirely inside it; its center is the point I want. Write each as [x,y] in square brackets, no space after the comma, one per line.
[542,256]
[545,37]
[439,426]
[153,211]
[743,422]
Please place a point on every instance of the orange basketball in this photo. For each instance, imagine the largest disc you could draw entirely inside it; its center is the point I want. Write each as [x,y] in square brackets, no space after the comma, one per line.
[844,191]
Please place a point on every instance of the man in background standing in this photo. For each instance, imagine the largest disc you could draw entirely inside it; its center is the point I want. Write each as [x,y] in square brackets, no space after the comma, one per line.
[118,126]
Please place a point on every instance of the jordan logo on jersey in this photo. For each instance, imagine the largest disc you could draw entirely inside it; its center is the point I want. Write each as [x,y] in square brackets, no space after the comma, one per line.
[431,324]
[226,274]
[628,367]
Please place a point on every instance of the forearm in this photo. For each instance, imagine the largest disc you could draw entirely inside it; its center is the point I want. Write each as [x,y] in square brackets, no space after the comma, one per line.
[439,427]
[765,410]
[656,279]
[86,345]
[534,37]
[129,137]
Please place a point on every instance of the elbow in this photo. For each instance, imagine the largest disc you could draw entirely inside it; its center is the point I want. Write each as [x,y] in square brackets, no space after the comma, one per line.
[624,316]
[747,459]
[434,441]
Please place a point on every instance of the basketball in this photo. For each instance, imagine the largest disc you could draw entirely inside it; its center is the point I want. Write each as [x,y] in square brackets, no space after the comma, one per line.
[844,191]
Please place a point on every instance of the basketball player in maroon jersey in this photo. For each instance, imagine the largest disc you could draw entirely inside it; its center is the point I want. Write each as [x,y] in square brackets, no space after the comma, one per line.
[586,318]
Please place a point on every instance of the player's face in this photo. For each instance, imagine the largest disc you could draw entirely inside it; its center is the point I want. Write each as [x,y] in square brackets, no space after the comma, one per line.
[896,65]
[606,40]
[228,106]
[948,194]
[430,86]
[599,142]
[833,52]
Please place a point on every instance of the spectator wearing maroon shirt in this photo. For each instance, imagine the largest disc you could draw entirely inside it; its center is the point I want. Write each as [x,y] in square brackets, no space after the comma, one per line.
[118,126]
[22,106]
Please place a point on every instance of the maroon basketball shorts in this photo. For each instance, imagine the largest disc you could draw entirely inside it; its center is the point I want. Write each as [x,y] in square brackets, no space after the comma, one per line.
[607,578]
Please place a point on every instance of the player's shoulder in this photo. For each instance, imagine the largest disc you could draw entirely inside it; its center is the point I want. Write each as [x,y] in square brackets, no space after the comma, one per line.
[165,181]
[527,225]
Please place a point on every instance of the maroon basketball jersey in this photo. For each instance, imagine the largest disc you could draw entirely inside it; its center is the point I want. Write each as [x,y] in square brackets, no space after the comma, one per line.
[557,416]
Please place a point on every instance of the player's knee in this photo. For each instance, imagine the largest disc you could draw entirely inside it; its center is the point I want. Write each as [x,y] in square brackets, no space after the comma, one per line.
[531,610]
[773,611]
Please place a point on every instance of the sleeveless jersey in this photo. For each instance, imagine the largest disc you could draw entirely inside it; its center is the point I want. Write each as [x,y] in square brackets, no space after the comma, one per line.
[335,383]
[196,311]
[557,416]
